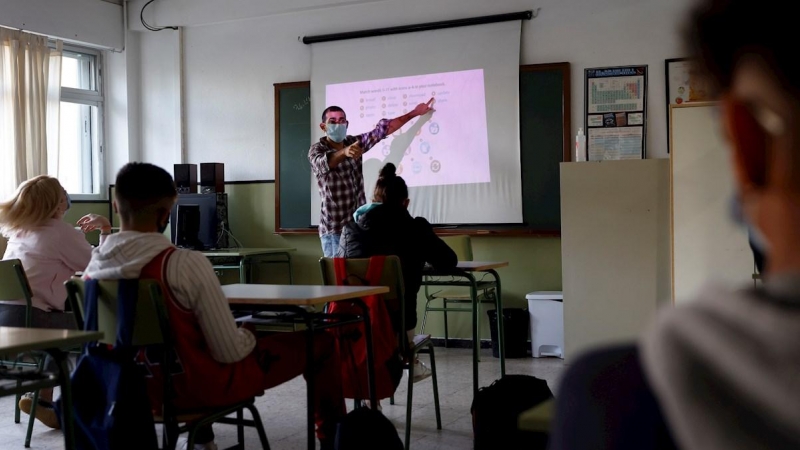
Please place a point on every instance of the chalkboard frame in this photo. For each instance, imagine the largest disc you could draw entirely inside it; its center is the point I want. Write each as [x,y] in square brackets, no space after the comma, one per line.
[474,230]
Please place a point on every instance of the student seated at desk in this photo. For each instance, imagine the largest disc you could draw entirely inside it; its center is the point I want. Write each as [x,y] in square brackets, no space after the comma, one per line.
[222,364]
[51,251]
[384,227]
[721,372]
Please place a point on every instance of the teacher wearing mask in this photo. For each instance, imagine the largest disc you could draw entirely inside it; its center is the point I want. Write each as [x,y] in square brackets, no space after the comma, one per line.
[336,162]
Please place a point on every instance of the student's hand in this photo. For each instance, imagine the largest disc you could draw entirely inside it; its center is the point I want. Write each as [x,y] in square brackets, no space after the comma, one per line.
[353,151]
[424,108]
[91,222]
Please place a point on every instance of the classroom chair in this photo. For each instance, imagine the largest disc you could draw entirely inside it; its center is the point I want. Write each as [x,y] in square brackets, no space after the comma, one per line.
[152,328]
[392,277]
[14,286]
[462,246]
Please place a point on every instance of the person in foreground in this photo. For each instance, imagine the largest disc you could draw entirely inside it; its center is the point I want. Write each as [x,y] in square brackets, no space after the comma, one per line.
[384,227]
[222,364]
[51,251]
[336,162]
[723,371]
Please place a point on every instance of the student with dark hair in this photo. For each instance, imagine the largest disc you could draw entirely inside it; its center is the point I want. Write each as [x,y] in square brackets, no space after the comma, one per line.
[384,227]
[222,364]
[336,162]
[721,372]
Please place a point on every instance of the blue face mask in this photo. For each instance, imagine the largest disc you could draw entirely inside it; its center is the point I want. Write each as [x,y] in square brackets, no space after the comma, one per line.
[336,131]
[758,243]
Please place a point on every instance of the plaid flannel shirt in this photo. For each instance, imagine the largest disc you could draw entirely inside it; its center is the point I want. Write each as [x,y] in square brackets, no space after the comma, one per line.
[341,189]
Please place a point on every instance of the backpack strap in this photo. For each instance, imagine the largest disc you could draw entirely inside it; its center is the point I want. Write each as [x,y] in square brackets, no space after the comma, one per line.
[375,269]
[127,297]
[90,296]
[340,271]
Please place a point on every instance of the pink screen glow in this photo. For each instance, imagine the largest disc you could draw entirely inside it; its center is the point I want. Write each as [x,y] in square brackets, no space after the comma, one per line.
[449,146]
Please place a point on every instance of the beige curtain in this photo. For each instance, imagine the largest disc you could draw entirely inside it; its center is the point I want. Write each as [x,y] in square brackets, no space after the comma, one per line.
[30,90]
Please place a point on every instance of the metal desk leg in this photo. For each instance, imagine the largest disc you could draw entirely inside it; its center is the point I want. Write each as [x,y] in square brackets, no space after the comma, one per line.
[500,327]
[312,444]
[371,385]
[476,341]
[242,273]
[60,358]
[289,263]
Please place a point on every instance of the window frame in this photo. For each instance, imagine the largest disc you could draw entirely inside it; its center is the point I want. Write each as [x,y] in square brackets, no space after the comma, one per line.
[94,98]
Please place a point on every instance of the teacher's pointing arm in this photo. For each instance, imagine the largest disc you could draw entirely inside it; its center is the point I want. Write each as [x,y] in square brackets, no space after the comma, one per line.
[386,127]
[421,109]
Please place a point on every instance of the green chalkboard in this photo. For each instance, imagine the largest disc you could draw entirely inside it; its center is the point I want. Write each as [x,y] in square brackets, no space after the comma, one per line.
[544,94]
[292,170]
[544,122]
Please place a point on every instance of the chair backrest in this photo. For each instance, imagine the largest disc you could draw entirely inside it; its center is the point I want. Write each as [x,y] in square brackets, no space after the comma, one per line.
[461,245]
[151,325]
[14,285]
[151,318]
[391,277]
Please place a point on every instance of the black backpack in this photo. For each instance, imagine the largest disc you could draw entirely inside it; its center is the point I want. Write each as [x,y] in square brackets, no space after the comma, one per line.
[496,409]
[367,429]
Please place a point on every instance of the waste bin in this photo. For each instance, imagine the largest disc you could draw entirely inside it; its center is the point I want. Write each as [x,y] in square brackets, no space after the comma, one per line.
[547,323]
[516,332]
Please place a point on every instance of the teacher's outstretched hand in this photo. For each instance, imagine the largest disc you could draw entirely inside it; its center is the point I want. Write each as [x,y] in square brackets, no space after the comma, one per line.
[424,108]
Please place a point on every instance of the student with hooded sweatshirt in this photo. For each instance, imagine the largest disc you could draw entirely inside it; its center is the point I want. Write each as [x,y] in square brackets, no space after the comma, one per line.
[222,363]
[384,227]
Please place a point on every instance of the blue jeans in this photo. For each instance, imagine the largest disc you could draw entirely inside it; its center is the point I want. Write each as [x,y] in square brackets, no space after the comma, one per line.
[330,244]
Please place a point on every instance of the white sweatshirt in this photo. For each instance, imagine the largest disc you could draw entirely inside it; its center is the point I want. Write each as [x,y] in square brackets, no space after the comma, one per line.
[191,279]
[726,368]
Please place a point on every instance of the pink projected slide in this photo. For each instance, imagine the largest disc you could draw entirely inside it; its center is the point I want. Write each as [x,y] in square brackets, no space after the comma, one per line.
[449,146]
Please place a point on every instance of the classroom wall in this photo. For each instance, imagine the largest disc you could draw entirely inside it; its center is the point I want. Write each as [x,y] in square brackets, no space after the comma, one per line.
[158,98]
[234,55]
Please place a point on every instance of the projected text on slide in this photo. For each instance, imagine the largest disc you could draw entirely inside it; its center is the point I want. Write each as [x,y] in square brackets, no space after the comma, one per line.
[449,146]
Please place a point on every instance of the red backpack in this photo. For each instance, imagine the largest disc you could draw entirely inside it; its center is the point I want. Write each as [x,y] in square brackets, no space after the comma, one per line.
[388,361]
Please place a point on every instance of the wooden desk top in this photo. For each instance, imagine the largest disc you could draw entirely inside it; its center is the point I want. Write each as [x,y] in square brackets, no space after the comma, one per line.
[468,266]
[295,295]
[537,418]
[239,252]
[15,340]
[480,266]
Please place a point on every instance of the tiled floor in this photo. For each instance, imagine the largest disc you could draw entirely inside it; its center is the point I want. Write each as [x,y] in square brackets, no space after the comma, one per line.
[283,408]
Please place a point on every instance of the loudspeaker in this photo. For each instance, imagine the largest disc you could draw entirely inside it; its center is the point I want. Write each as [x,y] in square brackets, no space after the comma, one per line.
[185,178]
[212,178]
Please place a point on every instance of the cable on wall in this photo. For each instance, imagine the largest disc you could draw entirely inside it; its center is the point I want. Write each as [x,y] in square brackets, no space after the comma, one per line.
[148,26]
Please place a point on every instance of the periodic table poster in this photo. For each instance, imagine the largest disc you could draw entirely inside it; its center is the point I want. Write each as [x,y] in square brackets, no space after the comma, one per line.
[616,112]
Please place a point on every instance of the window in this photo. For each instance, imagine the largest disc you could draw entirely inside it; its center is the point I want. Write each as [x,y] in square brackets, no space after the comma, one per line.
[78,161]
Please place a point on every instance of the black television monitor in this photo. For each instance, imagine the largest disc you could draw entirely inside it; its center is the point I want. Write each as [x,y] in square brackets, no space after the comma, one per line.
[194,222]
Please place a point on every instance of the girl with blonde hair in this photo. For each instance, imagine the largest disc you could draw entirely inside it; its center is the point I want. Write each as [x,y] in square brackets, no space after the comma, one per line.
[51,251]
